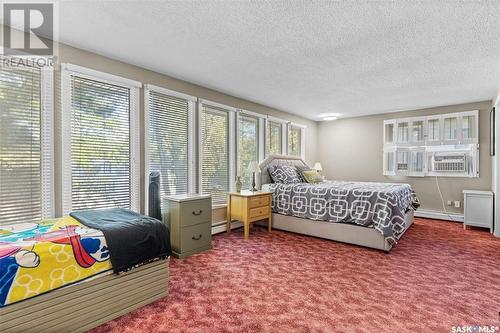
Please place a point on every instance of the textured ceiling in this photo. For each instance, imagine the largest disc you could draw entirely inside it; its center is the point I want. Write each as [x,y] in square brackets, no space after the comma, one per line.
[305,57]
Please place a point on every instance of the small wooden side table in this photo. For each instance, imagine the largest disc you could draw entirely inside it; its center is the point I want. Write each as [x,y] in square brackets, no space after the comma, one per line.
[249,207]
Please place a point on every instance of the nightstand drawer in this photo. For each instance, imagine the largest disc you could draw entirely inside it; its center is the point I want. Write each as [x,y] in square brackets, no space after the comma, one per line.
[259,201]
[259,211]
[195,212]
[196,236]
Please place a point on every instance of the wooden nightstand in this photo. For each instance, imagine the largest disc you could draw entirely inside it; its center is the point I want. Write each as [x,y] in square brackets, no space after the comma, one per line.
[190,220]
[249,207]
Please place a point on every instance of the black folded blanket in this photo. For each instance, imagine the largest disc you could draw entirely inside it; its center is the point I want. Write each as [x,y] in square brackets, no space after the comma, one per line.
[132,238]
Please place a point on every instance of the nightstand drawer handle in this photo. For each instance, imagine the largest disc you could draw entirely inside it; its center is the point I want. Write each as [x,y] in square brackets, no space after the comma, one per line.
[196,238]
[199,213]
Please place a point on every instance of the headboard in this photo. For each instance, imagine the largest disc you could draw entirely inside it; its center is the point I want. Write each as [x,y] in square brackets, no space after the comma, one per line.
[265,178]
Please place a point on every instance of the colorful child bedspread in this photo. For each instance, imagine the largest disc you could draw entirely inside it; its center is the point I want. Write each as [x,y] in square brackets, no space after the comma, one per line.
[37,258]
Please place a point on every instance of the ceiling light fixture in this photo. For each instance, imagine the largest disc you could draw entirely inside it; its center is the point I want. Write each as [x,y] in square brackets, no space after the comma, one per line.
[324,115]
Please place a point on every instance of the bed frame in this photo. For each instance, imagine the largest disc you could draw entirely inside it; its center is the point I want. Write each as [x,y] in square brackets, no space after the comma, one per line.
[341,232]
[85,305]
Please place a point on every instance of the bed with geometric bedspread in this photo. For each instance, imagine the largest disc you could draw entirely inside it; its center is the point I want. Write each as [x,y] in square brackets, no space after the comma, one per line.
[381,205]
[369,214]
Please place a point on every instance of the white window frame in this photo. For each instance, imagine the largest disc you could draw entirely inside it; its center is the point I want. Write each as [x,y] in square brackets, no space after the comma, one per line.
[260,135]
[68,70]
[475,114]
[412,172]
[302,138]
[232,111]
[191,140]
[192,100]
[47,144]
[394,132]
[284,133]
[458,137]
[47,141]
[387,172]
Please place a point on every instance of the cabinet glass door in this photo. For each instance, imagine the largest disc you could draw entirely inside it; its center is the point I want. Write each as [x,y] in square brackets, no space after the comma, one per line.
[433,129]
[417,163]
[469,127]
[403,131]
[389,132]
[402,162]
[417,131]
[450,127]
[389,165]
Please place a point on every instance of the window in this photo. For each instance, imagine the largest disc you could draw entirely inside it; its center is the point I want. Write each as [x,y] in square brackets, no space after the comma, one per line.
[433,129]
[439,145]
[101,143]
[389,162]
[389,129]
[248,150]
[468,126]
[402,161]
[169,143]
[26,154]
[402,131]
[450,127]
[295,140]
[274,138]
[417,131]
[215,159]
[417,160]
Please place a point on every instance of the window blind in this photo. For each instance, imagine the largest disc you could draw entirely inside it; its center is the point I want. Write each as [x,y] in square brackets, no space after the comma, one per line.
[168,141]
[273,138]
[294,140]
[248,151]
[100,145]
[20,145]
[215,153]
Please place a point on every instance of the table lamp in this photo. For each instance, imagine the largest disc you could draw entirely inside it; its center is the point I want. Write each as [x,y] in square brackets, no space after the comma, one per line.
[253,167]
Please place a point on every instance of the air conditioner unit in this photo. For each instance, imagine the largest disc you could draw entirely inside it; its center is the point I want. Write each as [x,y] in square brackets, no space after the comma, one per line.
[449,162]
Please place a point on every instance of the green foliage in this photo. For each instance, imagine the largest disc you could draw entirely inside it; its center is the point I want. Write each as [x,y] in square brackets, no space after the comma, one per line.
[215,160]
[248,148]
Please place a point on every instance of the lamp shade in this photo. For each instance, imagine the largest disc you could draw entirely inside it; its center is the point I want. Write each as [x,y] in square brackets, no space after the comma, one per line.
[317,167]
[253,167]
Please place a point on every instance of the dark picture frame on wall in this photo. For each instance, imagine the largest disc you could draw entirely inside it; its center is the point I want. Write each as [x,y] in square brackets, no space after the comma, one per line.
[492,132]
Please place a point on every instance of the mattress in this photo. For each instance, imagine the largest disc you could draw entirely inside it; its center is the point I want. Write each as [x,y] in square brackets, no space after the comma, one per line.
[38,258]
[369,204]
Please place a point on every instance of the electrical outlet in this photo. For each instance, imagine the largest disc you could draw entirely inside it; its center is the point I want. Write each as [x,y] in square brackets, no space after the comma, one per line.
[449,203]
[457,204]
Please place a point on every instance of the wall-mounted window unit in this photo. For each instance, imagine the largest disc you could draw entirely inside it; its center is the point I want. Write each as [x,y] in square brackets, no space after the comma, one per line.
[437,145]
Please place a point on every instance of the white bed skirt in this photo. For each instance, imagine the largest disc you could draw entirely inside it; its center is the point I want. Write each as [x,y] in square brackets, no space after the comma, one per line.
[341,232]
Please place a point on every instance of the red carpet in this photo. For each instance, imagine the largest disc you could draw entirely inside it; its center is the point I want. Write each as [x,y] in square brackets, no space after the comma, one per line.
[438,276]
